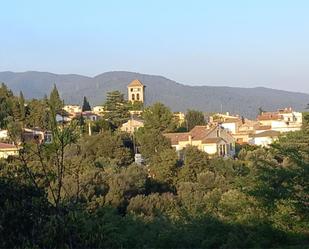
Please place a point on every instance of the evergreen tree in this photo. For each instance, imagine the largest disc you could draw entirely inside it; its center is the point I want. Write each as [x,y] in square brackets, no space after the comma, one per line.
[158,117]
[116,107]
[55,101]
[86,106]
[22,107]
[194,118]
[6,105]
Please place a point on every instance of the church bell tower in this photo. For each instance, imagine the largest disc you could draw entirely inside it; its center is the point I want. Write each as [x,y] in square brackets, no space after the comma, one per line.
[136,91]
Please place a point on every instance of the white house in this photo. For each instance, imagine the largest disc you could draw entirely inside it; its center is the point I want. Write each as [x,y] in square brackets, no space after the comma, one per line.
[264,138]
[72,109]
[284,120]
[7,150]
[99,110]
[4,135]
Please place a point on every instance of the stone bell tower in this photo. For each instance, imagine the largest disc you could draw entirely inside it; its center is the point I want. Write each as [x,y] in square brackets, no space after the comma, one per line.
[136,91]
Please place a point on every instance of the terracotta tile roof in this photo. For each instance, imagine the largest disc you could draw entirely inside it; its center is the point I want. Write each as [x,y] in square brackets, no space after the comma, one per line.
[269,133]
[269,116]
[263,127]
[199,132]
[212,140]
[135,83]
[5,146]
[231,120]
[176,137]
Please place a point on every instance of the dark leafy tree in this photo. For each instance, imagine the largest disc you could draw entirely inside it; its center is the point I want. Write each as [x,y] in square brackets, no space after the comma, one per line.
[158,117]
[117,109]
[194,118]
[86,106]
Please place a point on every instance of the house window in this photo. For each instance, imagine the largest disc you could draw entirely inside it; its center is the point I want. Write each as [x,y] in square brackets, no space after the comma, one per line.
[131,89]
[138,89]
[137,96]
[133,96]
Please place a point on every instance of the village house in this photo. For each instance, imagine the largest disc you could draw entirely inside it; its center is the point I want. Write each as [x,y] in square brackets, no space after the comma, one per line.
[264,138]
[212,140]
[4,135]
[98,110]
[245,130]
[88,115]
[72,109]
[7,150]
[283,120]
[132,125]
[37,135]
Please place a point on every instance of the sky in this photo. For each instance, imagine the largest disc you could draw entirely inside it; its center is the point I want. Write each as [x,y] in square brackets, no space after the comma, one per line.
[245,43]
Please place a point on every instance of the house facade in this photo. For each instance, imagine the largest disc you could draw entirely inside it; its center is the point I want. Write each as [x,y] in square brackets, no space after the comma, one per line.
[264,138]
[98,110]
[71,109]
[216,141]
[7,150]
[283,120]
[132,125]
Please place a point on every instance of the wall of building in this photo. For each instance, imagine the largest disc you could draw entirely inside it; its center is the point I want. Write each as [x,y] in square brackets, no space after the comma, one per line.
[6,153]
[210,149]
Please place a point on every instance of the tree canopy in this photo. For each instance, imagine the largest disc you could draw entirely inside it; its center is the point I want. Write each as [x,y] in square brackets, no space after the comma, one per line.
[86,106]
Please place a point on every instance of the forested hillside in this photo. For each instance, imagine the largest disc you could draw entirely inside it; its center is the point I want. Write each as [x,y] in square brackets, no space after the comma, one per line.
[179,97]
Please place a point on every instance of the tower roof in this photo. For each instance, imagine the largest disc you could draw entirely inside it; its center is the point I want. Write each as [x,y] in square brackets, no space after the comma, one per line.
[135,83]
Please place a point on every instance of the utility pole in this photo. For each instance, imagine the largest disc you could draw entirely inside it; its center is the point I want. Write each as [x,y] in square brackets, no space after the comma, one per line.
[89,128]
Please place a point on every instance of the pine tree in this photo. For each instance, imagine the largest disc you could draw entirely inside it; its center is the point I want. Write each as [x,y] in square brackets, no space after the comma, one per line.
[117,110]
[22,107]
[55,101]
[86,105]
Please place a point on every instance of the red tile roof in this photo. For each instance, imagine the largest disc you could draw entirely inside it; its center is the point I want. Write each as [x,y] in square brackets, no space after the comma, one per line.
[269,133]
[199,132]
[269,116]
[5,146]
[135,83]
[263,127]
[176,137]
[212,140]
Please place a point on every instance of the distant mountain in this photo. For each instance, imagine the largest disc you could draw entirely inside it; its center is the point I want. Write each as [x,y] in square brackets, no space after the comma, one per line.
[179,97]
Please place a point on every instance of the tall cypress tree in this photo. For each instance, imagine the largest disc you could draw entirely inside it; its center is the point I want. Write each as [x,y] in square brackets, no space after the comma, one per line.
[22,107]
[86,105]
[55,101]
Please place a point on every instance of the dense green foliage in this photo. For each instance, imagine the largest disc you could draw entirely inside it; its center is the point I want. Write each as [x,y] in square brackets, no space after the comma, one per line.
[85,191]
[116,108]
[194,118]
[86,106]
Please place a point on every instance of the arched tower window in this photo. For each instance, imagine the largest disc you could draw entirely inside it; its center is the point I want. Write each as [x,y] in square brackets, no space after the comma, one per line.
[137,96]
[133,96]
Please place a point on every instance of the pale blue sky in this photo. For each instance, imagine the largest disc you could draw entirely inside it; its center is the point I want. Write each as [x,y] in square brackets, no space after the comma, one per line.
[220,42]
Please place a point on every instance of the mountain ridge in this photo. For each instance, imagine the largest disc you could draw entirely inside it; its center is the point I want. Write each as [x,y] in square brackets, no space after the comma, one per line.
[178,96]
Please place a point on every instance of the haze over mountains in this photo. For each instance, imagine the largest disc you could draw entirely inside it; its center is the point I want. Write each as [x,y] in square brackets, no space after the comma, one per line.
[179,97]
